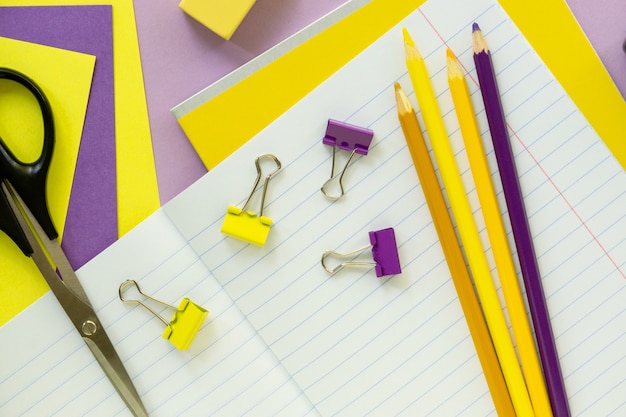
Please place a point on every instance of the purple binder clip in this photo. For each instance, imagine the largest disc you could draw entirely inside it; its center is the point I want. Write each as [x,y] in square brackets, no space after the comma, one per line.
[384,251]
[346,137]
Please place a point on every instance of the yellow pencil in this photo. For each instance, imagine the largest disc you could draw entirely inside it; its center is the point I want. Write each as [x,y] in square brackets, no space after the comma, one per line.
[497,236]
[454,255]
[467,229]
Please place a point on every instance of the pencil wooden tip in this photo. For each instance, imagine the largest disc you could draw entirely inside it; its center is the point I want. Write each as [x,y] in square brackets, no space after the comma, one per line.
[410,50]
[454,69]
[402,101]
[479,44]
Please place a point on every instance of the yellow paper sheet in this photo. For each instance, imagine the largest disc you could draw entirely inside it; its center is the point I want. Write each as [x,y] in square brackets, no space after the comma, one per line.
[137,189]
[216,130]
[553,31]
[65,77]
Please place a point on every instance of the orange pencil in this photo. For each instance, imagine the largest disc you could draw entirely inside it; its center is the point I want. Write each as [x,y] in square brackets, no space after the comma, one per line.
[454,255]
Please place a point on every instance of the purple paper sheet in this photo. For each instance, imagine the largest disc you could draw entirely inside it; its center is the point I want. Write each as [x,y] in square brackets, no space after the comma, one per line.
[181,57]
[91,223]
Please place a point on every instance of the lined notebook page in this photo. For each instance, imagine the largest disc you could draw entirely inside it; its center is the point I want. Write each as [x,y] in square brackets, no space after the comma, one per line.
[47,370]
[284,338]
[358,345]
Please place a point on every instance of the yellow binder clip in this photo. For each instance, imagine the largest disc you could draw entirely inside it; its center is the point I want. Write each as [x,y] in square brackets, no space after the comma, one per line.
[185,323]
[246,225]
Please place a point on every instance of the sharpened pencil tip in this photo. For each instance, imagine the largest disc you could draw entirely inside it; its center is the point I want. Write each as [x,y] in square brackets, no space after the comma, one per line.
[410,50]
[479,44]
[454,69]
[407,38]
[402,101]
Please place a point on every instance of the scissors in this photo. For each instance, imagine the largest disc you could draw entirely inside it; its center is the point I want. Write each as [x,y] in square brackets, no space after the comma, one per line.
[24,217]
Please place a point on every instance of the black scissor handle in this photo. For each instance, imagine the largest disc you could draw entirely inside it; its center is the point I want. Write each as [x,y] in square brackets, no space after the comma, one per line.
[29,179]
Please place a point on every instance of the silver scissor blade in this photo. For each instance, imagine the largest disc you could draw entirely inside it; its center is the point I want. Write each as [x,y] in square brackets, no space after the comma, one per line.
[89,327]
[63,265]
[113,367]
[77,307]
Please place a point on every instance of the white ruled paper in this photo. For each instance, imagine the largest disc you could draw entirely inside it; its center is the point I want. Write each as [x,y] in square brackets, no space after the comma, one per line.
[358,345]
[228,370]
[283,337]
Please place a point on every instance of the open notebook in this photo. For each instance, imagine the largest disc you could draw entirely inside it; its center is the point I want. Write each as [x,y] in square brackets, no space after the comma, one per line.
[284,338]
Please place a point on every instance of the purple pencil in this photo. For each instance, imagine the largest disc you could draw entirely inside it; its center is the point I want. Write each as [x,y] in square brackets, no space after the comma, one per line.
[519,223]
